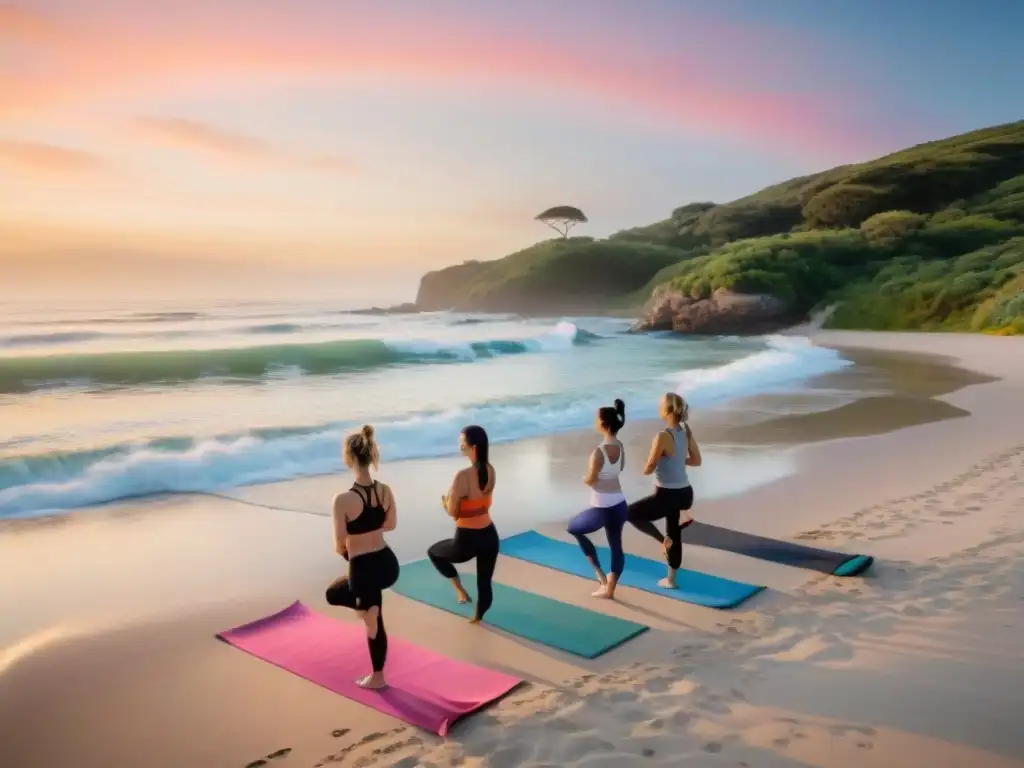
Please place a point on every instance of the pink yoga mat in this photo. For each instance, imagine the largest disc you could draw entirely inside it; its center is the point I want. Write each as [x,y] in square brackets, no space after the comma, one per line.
[425,689]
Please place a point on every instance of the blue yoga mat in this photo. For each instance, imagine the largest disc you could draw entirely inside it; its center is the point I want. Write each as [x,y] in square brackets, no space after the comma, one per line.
[524,614]
[639,573]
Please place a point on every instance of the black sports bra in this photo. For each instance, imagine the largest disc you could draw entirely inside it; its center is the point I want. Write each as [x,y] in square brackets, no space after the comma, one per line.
[373,515]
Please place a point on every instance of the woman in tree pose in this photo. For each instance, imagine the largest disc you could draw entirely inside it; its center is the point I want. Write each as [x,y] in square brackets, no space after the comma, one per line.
[608,508]
[673,450]
[361,515]
[468,502]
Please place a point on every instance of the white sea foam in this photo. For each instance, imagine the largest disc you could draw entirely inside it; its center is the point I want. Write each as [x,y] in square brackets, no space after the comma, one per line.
[788,359]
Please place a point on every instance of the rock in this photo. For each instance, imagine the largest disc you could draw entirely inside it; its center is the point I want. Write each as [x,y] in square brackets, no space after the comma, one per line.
[724,312]
[396,309]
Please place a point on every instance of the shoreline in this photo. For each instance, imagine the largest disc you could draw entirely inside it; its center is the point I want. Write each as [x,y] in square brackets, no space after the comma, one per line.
[726,687]
[787,416]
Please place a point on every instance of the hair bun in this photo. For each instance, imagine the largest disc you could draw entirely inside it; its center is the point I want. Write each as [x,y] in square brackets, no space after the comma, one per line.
[367,431]
[620,406]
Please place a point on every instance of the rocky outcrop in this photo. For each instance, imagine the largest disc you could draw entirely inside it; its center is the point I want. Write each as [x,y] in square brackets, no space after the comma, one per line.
[407,308]
[724,312]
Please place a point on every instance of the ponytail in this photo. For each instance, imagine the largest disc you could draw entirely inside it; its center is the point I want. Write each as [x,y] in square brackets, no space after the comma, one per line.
[476,437]
[362,448]
[612,418]
[676,407]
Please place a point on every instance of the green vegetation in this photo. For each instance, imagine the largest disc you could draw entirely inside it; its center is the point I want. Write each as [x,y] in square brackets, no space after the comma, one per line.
[557,276]
[929,238]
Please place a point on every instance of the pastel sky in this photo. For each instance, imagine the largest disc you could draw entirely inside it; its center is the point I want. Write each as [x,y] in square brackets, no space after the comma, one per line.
[220,139]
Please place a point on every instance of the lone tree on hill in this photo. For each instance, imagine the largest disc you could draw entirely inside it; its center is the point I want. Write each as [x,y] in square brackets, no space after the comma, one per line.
[562,218]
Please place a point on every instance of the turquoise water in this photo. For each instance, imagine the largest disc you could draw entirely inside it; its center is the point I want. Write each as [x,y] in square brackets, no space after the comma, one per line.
[107,403]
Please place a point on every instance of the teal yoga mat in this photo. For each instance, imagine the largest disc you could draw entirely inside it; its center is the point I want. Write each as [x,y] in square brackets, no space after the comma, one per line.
[639,572]
[524,614]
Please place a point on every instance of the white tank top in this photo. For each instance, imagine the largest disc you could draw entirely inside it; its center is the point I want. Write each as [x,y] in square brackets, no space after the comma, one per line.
[609,471]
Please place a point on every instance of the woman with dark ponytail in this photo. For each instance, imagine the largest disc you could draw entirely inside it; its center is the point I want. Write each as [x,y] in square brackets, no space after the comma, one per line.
[608,508]
[468,502]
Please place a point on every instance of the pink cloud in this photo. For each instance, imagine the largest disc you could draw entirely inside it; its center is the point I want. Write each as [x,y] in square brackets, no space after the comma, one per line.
[204,137]
[193,134]
[192,52]
[20,25]
[34,157]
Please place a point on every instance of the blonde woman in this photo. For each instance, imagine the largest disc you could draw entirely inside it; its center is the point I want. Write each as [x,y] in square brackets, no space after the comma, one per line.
[673,450]
[361,515]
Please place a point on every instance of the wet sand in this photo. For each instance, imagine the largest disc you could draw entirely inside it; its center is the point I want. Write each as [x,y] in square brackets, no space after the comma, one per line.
[108,656]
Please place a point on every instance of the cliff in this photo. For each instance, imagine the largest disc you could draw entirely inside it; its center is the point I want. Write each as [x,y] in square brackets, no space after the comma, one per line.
[930,238]
[557,276]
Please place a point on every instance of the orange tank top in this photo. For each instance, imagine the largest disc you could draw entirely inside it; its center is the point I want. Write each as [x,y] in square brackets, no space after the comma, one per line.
[474,513]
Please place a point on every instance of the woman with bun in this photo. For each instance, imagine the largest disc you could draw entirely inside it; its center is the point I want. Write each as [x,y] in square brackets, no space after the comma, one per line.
[608,508]
[468,502]
[361,515]
[673,450]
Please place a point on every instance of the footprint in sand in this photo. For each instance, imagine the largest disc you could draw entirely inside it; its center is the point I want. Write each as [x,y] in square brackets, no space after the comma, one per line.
[680,719]
[272,756]
[583,680]
[508,757]
[658,684]
[622,697]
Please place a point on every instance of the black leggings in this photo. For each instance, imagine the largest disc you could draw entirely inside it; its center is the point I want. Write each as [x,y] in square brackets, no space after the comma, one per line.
[481,543]
[663,503]
[362,588]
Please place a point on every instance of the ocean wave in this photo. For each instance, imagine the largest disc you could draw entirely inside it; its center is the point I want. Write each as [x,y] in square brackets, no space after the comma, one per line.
[127,368]
[788,359]
[43,339]
[56,338]
[43,483]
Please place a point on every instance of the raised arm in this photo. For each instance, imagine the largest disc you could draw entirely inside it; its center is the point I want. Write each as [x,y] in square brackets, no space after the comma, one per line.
[595,466]
[390,509]
[657,449]
[340,532]
[455,494]
[693,457]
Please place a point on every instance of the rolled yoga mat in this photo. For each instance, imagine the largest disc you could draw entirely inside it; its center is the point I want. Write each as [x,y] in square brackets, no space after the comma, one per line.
[639,572]
[425,689]
[524,614]
[773,550]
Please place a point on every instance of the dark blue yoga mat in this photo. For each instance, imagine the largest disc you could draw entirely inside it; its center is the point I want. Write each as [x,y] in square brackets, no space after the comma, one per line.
[639,573]
[775,551]
[533,617]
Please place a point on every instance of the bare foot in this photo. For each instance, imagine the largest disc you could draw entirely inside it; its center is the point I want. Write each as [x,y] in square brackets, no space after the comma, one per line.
[668,583]
[373,682]
[603,593]
[462,596]
[474,620]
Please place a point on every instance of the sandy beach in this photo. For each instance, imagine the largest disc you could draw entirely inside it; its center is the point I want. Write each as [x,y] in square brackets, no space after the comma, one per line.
[108,656]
